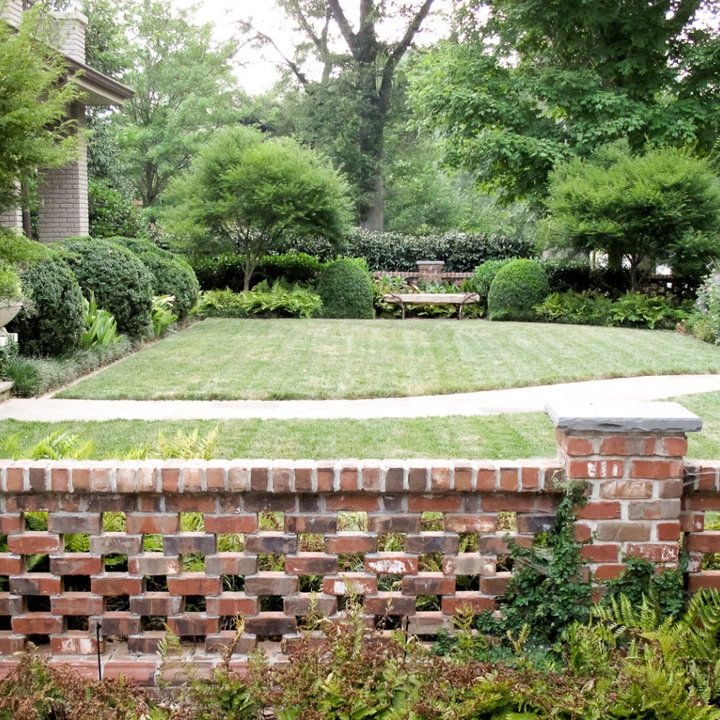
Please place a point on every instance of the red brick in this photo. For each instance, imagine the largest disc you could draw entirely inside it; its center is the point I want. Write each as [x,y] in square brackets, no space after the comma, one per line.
[496,545]
[34,543]
[626,489]
[155,524]
[583,532]
[231,524]
[10,565]
[116,584]
[235,603]
[601,553]
[311,564]
[608,572]
[15,479]
[269,583]
[705,478]
[190,503]
[73,642]
[657,552]
[348,479]
[76,564]
[59,479]
[595,510]
[353,503]
[709,579]
[358,583]
[37,624]
[342,544]
[153,564]
[487,478]
[417,479]
[671,489]
[669,531]
[388,563]
[77,604]
[530,478]
[215,478]
[192,479]
[656,469]
[170,477]
[623,531]
[140,672]
[10,524]
[68,524]
[528,503]
[440,479]
[194,584]
[462,600]
[433,503]
[282,480]
[576,446]
[239,479]
[428,583]
[654,510]
[389,603]
[259,480]
[496,585]
[675,446]
[325,478]
[370,479]
[706,542]
[470,523]
[508,479]
[463,478]
[596,469]
[36,584]
[398,523]
[271,624]
[193,624]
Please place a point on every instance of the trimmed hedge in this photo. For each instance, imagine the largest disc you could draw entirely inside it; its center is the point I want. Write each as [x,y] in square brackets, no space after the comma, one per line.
[51,323]
[226,271]
[121,282]
[517,288]
[346,289]
[172,274]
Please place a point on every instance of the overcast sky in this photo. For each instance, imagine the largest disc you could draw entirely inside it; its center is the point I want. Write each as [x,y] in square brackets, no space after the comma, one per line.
[257,71]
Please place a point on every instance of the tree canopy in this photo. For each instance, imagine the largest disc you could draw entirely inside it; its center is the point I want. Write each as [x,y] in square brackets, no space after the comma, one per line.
[252,193]
[542,81]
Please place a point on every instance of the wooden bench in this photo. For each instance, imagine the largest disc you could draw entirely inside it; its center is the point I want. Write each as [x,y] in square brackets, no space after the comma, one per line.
[459,299]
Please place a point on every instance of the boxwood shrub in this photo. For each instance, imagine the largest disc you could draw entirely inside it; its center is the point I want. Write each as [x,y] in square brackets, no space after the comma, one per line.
[121,282]
[483,276]
[517,288]
[346,289]
[53,319]
[172,275]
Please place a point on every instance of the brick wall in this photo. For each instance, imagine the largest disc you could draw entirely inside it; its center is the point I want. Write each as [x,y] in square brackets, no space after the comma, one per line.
[128,547]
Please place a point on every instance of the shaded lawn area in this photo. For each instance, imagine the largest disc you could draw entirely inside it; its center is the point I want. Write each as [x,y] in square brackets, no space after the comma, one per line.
[303,359]
[487,437]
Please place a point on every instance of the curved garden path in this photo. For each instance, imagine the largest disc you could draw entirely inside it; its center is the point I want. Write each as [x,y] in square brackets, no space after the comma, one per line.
[490,402]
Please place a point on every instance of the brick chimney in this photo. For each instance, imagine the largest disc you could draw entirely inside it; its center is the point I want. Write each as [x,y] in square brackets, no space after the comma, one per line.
[11,11]
[69,35]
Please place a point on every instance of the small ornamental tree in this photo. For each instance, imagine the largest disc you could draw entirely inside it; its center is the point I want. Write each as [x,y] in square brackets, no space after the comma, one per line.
[251,194]
[34,129]
[660,207]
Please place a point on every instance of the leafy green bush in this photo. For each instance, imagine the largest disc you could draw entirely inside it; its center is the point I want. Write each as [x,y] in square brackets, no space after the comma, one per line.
[346,289]
[575,308]
[275,301]
[163,316]
[121,282]
[708,305]
[579,276]
[10,287]
[638,310]
[461,252]
[483,275]
[35,376]
[172,274]
[111,211]
[226,271]
[517,288]
[100,326]
[52,321]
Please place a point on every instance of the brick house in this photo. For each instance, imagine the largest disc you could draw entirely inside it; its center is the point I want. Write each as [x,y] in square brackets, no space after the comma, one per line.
[63,192]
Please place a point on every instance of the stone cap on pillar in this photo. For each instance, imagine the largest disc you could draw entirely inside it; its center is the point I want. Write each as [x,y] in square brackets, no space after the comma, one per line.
[622,417]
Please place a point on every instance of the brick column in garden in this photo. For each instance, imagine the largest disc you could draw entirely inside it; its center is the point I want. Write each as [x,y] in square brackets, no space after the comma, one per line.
[631,455]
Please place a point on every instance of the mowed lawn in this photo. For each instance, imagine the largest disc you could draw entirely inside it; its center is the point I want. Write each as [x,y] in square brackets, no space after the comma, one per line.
[301,359]
[489,437]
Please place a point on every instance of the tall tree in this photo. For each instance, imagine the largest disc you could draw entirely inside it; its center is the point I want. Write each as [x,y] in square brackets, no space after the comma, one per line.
[35,132]
[540,81]
[358,69]
[184,89]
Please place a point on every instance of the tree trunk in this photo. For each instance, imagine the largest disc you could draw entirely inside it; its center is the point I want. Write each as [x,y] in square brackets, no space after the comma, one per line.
[374,219]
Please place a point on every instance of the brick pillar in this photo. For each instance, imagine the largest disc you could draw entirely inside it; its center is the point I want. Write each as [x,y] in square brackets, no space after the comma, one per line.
[430,270]
[11,219]
[63,211]
[69,34]
[631,455]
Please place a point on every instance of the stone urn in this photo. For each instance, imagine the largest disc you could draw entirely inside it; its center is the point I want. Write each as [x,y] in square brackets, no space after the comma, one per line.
[8,310]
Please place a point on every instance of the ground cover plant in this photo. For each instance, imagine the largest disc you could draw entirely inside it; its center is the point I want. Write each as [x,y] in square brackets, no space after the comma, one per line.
[281,359]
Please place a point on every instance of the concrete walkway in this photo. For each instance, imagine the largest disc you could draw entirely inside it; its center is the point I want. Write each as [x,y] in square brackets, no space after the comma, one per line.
[492,402]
